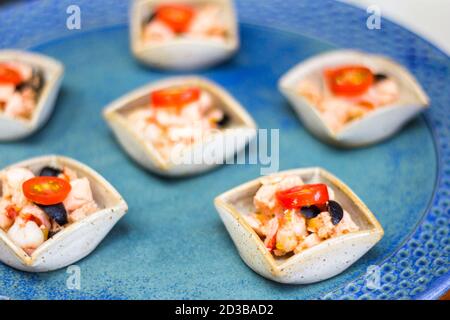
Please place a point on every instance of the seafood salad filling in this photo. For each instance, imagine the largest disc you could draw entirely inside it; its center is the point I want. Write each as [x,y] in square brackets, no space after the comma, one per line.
[178,116]
[170,21]
[346,93]
[35,208]
[20,86]
[291,216]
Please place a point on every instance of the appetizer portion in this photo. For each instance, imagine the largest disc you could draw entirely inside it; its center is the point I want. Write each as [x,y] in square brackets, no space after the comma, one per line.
[351,99]
[20,87]
[182,20]
[180,126]
[35,208]
[299,226]
[346,93]
[291,216]
[183,35]
[177,116]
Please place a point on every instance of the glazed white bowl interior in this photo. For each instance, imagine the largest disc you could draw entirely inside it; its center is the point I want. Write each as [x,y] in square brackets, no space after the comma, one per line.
[53,70]
[233,204]
[375,125]
[46,257]
[143,151]
[182,53]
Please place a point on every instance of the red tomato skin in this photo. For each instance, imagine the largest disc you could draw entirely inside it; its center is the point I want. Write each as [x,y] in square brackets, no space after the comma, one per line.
[176,16]
[9,76]
[61,188]
[349,89]
[177,97]
[303,196]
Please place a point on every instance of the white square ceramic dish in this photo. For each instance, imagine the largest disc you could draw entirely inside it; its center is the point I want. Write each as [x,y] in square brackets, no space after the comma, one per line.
[371,128]
[13,128]
[78,239]
[182,53]
[317,263]
[241,130]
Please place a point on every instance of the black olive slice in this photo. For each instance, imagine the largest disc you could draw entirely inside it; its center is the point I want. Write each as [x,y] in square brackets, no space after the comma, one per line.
[310,212]
[149,18]
[57,212]
[380,77]
[37,80]
[49,172]
[35,83]
[335,211]
[51,234]
[224,121]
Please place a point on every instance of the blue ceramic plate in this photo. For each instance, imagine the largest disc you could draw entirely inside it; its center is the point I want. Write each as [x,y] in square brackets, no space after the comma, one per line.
[172,243]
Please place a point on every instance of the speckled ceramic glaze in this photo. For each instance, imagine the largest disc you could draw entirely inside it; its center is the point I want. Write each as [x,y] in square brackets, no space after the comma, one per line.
[172,244]
[239,132]
[373,127]
[53,70]
[78,239]
[318,263]
[182,54]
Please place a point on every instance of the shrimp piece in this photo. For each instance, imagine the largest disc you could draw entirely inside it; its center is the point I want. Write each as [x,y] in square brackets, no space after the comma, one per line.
[166,118]
[12,180]
[205,102]
[214,116]
[208,22]
[6,92]
[82,212]
[6,219]
[292,230]
[157,31]
[26,234]
[286,240]
[321,225]
[335,112]
[265,200]
[16,107]
[387,91]
[191,112]
[310,241]
[289,182]
[152,132]
[272,229]
[68,174]
[80,194]
[39,215]
[346,225]
[310,91]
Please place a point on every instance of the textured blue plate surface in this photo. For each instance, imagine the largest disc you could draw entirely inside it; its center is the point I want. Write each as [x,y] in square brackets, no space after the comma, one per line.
[172,243]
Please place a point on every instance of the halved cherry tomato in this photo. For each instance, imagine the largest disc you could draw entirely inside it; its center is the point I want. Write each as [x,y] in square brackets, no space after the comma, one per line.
[175,97]
[349,80]
[9,76]
[303,196]
[176,16]
[46,190]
